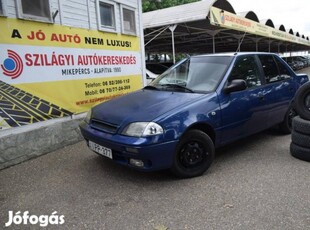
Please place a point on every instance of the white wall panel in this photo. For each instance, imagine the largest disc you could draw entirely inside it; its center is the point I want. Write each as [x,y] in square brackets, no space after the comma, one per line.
[82,13]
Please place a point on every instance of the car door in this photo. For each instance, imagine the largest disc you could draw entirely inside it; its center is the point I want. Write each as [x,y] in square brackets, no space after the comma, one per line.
[279,83]
[243,112]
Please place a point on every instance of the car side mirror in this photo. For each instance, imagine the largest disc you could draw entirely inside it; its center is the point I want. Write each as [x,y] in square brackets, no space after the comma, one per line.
[235,85]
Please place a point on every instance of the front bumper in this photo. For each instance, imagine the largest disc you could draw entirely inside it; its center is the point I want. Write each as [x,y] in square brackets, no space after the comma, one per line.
[155,155]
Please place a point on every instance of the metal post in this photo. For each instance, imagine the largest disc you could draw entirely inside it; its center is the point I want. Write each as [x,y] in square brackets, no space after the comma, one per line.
[172,28]
[213,40]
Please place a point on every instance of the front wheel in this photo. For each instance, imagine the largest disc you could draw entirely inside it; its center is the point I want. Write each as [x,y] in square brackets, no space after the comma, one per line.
[194,154]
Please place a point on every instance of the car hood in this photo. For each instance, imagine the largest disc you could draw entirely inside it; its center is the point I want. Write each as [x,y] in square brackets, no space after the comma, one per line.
[142,105]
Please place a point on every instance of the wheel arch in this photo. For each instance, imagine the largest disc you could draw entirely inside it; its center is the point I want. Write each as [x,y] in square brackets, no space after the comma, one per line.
[204,127]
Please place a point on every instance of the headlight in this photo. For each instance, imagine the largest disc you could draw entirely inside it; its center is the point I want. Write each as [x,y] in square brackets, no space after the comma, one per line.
[88,117]
[142,129]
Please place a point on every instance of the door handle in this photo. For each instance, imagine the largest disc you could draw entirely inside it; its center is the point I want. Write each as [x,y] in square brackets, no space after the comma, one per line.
[261,96]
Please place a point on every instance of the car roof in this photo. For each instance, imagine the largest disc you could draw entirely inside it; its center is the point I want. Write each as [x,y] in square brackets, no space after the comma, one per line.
[231,54]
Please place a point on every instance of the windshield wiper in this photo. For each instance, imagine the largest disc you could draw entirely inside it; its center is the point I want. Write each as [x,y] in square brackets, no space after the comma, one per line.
[179,87]
[150,87]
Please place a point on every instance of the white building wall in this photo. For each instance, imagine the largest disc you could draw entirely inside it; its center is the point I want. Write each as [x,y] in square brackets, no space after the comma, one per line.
[75,13]
[11,9]
[81,13]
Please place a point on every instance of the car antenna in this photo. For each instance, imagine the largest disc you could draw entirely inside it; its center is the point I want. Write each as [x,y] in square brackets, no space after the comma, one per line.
[238,49]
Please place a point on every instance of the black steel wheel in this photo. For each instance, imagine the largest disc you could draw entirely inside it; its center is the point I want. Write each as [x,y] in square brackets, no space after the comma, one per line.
[302,101]
[194,154]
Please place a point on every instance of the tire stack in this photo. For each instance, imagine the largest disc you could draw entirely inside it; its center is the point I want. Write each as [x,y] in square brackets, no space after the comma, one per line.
[300,145]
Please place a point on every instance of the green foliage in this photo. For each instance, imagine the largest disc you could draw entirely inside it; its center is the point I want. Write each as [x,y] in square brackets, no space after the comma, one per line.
[150,5]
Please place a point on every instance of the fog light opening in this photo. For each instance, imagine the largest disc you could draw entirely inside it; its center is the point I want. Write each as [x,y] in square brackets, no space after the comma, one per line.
[132,150]
[137,163]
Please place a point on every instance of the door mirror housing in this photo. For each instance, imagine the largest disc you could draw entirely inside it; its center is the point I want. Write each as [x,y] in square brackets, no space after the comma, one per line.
[235,85]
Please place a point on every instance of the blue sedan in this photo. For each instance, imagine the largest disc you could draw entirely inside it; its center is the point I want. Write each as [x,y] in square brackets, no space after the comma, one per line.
[201,103]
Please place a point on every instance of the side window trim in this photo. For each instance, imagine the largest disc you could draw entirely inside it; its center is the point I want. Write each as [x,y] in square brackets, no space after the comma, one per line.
[261,70]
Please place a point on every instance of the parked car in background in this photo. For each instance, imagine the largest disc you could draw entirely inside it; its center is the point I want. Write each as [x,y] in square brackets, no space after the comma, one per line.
[156,68]
[303,60]
[294,62]
[153,70]
[308,58]
[150,76]
[196,106]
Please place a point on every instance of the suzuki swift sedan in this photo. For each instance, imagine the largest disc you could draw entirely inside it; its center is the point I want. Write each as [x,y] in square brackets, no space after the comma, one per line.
[196,106]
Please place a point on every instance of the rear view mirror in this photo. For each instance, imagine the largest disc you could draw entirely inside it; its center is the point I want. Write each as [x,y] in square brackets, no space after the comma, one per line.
[235,85]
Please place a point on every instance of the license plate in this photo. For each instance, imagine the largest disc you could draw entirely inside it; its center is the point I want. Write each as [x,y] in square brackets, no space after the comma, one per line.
[100,149]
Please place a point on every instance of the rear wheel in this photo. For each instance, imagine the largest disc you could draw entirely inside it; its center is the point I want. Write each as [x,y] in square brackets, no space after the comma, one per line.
[302,101]
[286,125]
[194,154]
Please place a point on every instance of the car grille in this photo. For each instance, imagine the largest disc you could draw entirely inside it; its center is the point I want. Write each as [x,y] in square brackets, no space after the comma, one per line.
[103,126]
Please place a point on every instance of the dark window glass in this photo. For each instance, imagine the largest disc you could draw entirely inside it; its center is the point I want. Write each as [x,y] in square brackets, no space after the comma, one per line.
[246,68]
[129,21]
[156,68]
[107,15]
[38,8]
[270,68]
[284,73]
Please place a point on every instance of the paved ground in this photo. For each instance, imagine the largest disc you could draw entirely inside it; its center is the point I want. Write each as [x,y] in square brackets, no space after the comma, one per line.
[253,184]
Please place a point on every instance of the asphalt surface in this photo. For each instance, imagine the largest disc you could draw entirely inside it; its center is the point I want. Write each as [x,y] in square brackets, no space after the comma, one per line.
[253,184]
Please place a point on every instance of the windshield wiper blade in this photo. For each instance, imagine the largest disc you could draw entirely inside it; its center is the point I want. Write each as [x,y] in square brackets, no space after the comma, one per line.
[151,87]
[179,87]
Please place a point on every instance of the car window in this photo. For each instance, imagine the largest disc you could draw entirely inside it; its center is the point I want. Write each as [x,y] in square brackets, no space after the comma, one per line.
[246,68]
[202,73]
[284,72]
[270,68]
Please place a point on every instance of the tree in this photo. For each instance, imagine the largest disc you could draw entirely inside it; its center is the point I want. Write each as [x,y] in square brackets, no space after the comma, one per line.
[150,5]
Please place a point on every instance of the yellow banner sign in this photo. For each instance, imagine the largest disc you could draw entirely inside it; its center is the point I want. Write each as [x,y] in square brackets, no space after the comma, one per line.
[49,71]
[219,17]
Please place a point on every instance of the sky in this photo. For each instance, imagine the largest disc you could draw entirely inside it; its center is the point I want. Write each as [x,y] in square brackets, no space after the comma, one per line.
[293,14]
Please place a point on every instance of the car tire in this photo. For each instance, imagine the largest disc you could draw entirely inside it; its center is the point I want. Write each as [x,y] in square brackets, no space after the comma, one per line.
[300,139]
[194,154]
[300,152]
[286,125]
[302,101]
[301,125]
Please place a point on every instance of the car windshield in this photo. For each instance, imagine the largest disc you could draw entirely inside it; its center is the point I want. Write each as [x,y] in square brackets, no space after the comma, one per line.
[194,74]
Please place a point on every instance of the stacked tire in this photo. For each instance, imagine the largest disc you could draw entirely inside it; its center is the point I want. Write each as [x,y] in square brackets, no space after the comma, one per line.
[300,145]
